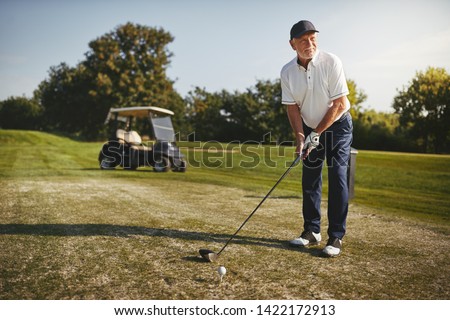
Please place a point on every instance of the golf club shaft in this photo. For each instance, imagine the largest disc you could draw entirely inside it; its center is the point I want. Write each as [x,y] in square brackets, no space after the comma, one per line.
[262,201]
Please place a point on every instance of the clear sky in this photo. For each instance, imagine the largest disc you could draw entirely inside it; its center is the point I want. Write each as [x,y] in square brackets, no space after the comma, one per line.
[230,44]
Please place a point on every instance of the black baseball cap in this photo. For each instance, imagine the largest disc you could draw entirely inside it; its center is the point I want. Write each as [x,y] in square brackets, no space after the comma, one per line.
[302,27]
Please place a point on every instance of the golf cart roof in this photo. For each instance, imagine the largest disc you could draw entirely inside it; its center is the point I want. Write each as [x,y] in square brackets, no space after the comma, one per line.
[139,111]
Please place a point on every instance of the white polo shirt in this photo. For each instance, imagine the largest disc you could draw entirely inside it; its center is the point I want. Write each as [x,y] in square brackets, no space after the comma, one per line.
[314,89]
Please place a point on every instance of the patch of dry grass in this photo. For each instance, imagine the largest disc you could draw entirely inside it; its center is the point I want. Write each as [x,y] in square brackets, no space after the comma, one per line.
[106,238]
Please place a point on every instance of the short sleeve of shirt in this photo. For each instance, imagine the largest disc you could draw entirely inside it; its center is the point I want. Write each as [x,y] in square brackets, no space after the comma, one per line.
[286,94]
[337,83]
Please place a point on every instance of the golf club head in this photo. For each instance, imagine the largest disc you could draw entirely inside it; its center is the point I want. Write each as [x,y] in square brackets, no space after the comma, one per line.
[208,255]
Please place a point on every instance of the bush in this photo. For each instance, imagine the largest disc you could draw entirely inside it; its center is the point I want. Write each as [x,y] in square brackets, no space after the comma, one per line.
[20,113]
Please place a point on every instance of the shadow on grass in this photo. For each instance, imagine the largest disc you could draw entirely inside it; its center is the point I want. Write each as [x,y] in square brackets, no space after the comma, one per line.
[89,230]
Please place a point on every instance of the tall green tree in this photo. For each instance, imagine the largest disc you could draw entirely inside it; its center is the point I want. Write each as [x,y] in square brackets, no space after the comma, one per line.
[423,107]
[66,105]
[125,67]
[128,66]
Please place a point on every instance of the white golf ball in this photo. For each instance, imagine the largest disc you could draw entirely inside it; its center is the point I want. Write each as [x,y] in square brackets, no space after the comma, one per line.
[222,271]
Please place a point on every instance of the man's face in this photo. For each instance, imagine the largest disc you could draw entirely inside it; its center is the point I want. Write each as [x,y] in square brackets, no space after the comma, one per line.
[305,46]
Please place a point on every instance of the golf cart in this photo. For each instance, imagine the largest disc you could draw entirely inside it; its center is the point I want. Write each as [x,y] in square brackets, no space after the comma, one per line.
[125,147]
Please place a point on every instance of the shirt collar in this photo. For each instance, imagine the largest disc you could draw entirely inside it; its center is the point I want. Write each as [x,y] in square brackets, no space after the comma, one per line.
[315,59]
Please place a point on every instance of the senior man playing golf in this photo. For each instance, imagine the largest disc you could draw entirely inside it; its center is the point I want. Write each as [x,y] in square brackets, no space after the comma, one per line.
[315,91]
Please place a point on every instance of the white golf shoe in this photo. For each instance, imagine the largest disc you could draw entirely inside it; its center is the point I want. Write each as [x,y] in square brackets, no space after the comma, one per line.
[333,247]
[307,238]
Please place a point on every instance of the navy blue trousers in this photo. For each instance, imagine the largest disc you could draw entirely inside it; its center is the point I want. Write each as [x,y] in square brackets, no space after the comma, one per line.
[335,147]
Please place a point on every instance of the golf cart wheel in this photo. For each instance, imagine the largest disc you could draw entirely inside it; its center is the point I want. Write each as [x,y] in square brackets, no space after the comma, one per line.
[181,167]
[106,164]
[161,165]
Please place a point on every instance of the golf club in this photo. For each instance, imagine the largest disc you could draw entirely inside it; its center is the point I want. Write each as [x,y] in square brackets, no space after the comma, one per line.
[210,255]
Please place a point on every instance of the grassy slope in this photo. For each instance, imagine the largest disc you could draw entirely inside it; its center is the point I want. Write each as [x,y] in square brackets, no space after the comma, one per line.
[70,230]
[413,185]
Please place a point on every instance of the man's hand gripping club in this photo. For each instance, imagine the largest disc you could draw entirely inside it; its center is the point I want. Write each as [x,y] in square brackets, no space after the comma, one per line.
[311,142]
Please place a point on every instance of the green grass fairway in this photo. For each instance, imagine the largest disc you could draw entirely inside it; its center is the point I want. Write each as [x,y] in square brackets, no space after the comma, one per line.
[69,230]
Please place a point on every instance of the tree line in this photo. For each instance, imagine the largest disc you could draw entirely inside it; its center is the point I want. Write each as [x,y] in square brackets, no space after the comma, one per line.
[127,67]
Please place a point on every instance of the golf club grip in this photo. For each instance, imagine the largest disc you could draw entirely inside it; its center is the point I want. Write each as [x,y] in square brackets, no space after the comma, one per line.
[262,201]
